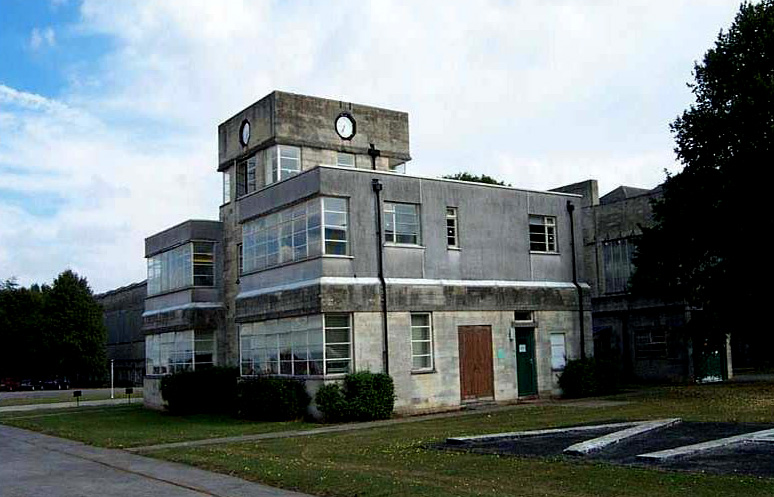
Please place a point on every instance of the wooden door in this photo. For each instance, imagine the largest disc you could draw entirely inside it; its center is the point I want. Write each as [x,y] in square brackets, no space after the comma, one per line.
[476,369]
[526,373]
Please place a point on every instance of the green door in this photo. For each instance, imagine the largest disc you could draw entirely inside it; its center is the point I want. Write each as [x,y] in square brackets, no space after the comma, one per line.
[526,373]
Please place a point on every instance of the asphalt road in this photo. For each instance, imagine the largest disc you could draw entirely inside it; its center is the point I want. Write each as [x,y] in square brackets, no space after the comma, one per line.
[43,394]
[35,465]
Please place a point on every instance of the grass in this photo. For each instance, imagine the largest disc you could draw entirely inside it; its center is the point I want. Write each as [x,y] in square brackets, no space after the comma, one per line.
[66,396]
[395,460]
[134,426]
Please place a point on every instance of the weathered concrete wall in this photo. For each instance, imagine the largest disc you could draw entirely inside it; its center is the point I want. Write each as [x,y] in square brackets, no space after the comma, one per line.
[151,393]
[122,311]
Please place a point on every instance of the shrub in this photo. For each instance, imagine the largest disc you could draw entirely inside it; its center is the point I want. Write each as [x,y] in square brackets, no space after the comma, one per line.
[269,398]
[365,396]
[587,377]
[211,391]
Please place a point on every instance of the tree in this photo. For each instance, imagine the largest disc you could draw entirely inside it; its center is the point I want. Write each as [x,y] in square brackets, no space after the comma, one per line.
[711,222]
[465,176]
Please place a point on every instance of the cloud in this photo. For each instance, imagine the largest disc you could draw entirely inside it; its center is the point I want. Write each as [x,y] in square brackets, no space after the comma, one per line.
[41,38]
[539,94]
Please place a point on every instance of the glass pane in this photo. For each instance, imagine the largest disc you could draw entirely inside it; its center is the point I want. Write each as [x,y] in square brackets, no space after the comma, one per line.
[421,348]
[421,362]
[340,351]
[335,218]
[336,335]
[337,320]
[334,367]
[335,204]
[420,320]
[336,248]
[420,333]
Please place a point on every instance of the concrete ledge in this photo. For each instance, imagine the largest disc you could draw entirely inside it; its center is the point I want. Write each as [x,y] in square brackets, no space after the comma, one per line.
[532,433]
[602,442]
[686,450]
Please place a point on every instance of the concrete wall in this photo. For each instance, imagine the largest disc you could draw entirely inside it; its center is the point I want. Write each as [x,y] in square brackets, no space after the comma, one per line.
[122,312]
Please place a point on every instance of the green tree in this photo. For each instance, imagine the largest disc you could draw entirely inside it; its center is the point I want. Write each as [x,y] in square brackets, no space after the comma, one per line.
[465,176]
[75,334]
[710,225]
[21,322]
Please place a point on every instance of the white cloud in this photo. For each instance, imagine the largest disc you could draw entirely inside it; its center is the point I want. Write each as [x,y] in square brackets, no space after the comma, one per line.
[539,94]
[41,38]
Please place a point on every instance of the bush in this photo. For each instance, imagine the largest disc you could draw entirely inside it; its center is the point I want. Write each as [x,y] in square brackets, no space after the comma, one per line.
[587,377]
[211,391]
[365,396]
[268,398]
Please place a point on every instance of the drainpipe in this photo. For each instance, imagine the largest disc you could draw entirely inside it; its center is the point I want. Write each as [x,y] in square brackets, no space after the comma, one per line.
[373,152]
[377,186]
[570,210]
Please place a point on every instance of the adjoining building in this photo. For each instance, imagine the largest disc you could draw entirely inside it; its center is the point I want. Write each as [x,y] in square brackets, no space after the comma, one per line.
[122,311]
[645,336]
[328,259]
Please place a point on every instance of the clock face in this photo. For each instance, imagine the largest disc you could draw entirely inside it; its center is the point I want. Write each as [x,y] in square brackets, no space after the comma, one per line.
[244,132]
[345,126]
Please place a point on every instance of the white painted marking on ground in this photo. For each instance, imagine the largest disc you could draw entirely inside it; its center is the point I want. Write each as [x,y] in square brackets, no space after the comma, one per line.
[599,443]
[531,433]
[756,436]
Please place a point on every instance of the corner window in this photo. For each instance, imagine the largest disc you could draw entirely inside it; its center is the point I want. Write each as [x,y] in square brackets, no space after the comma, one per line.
[309,229]
[558,354]
[186,265]
[226,187]
[284,162]
[617,264]
[179,351]
[247,172]
[345,160]
[452,240]
[401,223]
[421,342]
[203,264]
[542,233]
[303,346]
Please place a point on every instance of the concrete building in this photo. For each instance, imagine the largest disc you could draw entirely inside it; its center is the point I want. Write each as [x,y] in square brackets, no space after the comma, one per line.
[644,336]
[327,258]
[122,310]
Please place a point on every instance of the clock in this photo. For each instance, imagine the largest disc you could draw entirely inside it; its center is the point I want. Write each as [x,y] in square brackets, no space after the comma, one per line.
[345,126]
[244,133]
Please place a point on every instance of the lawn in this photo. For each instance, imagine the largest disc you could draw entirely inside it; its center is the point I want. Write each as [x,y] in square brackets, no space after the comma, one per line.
[134,426]
[396,459]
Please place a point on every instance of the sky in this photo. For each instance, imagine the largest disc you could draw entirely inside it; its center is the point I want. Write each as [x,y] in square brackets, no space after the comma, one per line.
[109,110]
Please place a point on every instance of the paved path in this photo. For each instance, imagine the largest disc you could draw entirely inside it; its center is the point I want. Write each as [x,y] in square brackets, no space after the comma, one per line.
[64,405]
[35,465]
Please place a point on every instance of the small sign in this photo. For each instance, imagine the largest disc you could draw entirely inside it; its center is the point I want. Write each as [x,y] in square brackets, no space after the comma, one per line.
[129,391]
[522,347]
[77,393]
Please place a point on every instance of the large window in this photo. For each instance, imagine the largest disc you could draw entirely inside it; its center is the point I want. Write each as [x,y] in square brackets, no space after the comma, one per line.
[285,162]
[401,223]
[272,164]
[558,354]
[317,226]
[179,351]
[421,342]
[542,233]
[303,346]
[186,265]
[617,264]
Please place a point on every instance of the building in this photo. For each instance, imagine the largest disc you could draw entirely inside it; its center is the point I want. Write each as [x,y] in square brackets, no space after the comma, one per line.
[644,336]
[122,311]
[327,258]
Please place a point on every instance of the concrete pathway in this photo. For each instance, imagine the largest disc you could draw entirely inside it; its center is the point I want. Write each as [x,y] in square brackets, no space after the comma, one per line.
[65,405]
[35,465]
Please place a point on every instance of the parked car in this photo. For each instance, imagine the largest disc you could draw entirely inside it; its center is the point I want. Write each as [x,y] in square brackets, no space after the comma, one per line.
[8,385]
[55,384]
[29,385]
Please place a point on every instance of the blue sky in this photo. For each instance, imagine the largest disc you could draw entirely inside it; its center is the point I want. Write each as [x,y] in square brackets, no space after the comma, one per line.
[109,110]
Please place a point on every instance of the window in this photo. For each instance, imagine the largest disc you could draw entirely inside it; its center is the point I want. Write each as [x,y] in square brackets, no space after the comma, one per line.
[179,351]
[183,266]
[451,227]
[251,166]
[421,342]
[617,264]
[650,344]
[309,229]
[558,354]
[523,316]
[401,223]
[226,187]
[284,162]
[345,160]
[542,234]
[303,346]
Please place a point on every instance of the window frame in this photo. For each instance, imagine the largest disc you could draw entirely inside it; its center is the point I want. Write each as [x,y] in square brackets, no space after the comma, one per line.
[429,340]
[548,234]
[390,216]
[454,218]
[180,346]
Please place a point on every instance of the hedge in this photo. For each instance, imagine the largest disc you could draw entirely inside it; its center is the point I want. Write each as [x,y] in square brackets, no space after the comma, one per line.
[212,391]
[364,396]
[270,398]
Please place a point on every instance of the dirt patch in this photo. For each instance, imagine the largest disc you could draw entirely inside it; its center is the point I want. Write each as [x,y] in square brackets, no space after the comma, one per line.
[752,458]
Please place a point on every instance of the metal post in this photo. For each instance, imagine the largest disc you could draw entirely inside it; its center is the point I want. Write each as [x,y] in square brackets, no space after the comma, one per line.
[111,380]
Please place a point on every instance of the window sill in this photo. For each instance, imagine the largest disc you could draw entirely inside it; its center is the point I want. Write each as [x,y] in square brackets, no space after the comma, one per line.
[404,245]
[539,252]
[423,371]
[455,249]
[334,256]
[189,287]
